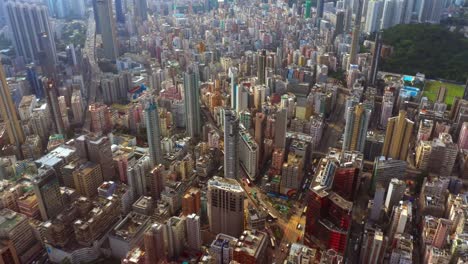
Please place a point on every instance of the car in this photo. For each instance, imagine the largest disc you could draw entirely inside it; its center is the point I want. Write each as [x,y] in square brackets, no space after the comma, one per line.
[282,249]
[299,226]
[288,245]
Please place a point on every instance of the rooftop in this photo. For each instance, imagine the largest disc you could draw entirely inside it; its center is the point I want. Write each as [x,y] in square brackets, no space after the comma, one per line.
[225,184]
[9,219]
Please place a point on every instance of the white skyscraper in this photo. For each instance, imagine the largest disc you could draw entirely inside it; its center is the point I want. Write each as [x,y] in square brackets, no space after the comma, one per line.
[374,14]
[194,240]
[395,193]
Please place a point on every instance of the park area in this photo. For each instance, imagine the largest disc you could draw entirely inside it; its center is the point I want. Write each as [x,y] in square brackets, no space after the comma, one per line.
[431,89]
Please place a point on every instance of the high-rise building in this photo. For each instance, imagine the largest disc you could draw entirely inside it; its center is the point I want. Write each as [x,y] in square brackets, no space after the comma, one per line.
[141,10]
[377,203]
[386,169]
[401,214]
[261,64]
[225,206]
[397,137]
[87,179]
[375,59]
[27,22]
[154,244]
[423,154]
[8,112]
[107,29]
[396,191]
[431,11]
[157,181]
[373,145]
[100,118]
[194,239]
[374,14]
[222,248]
[444,227]
[425,130]
[463,137]
[281,123]
[248,154]
[356,35]
[119,11]
[231,144]
[233,73]
[394,13]
[443,155]
[15,229]
[175,237]
[192,102]
[191,202]
[153,131]
[77,106]
[252,247]
[52,101]
[355,132]
[47,190]
[373,246]
[98,150]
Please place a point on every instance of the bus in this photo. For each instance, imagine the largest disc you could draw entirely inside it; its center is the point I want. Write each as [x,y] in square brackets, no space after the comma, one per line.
[248,182]
[304,211]
[272,216]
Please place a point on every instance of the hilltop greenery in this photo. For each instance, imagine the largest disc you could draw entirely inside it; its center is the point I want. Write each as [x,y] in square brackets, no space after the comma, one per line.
[429,49]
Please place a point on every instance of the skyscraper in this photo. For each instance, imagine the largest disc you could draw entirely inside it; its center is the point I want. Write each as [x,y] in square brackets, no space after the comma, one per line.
[157,182]
[27,22]
[374,14]
[154,244]
[8,112]
[107,29]
[261,64]
[395,193]
[375,60]
[175,237]
[52,101]
[119,12]
[225,206]
[400,215]
[194,240]
[141,10]
[355,132]
[397,137]
[47,190]
[373,246]
[281,123]
[320,8]
[153,131]
[231,144]
[192,102]
[392,13]
[431,11]
[356,34]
